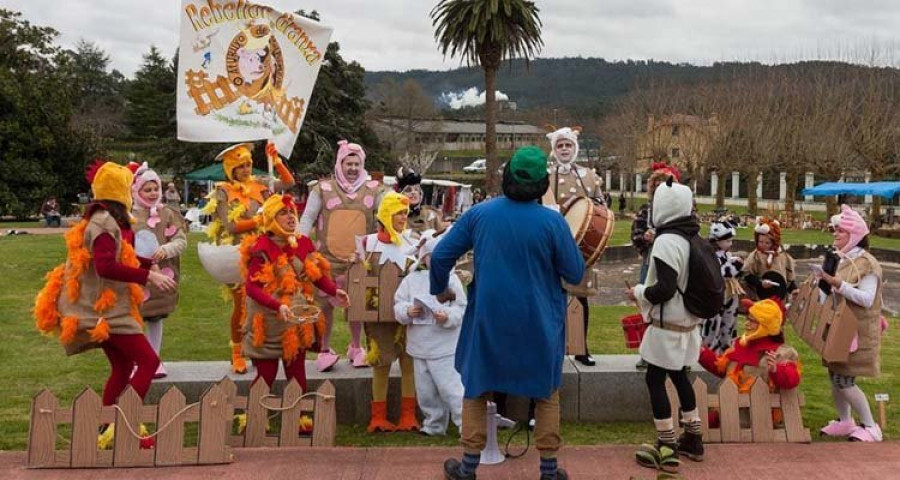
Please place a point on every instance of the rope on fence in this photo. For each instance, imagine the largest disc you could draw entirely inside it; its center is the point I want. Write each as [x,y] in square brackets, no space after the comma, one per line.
[158,430]
[292,405]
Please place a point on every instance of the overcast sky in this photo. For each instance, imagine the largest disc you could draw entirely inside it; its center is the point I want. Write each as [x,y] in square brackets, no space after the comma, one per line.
[397,34]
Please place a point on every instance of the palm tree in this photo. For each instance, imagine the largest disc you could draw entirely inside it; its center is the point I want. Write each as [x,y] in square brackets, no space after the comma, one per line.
[486,32]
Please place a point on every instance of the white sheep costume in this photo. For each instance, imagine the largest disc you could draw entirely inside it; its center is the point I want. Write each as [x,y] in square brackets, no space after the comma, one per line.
[439,388]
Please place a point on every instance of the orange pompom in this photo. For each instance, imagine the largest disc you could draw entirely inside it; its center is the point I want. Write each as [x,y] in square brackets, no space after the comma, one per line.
[100,333]
[312,270]
[106,301]
[259,330]
[69,327]
[137,298]
[46,315]
[290,344]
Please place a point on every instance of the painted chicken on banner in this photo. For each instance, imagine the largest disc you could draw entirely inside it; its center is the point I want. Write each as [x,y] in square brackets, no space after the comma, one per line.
[245,71]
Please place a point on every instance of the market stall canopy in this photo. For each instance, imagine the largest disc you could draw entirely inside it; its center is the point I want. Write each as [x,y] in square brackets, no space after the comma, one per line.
[883,189]
[215,173]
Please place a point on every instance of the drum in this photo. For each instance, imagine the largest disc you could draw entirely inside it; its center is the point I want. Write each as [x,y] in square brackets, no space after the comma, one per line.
[592,225]
[223,262]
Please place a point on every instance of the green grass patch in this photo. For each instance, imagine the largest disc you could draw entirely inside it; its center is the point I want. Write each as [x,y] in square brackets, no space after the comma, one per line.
[198,330]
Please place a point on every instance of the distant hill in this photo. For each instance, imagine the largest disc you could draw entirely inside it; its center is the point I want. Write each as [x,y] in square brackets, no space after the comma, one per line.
[567,82]
[589,85]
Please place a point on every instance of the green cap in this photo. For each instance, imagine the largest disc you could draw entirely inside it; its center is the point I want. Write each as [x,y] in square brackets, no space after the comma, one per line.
[528,165]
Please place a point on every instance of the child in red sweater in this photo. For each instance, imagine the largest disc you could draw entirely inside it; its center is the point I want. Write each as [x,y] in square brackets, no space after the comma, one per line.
[93,300]
[280,271]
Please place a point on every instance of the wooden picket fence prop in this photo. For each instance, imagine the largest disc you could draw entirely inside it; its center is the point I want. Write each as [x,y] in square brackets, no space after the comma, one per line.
[575,344]
[753,410]
[213,415]
[385,278]
[259,406]
[828,328]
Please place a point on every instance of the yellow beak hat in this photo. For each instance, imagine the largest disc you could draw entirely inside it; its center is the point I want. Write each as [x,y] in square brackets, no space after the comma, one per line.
[769,317]
[235,156]
[392,204]
[111,181]
[272,206]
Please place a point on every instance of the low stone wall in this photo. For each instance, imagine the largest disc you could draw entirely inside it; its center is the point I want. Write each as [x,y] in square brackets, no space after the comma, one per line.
[613,390]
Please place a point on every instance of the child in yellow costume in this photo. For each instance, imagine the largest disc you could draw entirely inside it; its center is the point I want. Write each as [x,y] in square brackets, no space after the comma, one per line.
[235,205]
[387,341]
[94,299]
[280,270]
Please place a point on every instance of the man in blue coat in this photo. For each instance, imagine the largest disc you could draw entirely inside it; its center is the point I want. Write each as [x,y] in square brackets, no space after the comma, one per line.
[513,332]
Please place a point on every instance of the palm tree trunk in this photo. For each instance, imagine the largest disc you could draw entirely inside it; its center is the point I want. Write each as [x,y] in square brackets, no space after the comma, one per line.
[490,130]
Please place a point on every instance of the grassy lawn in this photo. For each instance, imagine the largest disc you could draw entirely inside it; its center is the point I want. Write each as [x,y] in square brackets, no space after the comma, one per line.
[198,331]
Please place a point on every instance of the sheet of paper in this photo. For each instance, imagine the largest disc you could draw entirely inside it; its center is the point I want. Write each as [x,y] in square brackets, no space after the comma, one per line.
[429,305]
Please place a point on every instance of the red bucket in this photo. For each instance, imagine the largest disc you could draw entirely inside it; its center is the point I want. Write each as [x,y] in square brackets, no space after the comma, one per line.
[634,327]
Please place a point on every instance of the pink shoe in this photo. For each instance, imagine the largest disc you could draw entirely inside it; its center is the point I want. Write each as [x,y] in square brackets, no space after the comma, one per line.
[160,371]
[326,360]
[837,428]
[357,356]
[866,434]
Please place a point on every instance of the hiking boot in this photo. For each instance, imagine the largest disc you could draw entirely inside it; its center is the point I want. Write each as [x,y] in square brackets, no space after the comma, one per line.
[560,475]
[691,446]
[451,470]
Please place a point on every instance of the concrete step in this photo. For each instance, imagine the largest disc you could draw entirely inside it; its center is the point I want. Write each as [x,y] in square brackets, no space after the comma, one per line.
[612,390]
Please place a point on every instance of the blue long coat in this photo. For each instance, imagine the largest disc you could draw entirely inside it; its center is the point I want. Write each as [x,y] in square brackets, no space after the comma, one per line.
[513,332]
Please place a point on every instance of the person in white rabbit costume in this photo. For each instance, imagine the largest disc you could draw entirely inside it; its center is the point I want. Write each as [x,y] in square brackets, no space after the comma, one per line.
[432,334]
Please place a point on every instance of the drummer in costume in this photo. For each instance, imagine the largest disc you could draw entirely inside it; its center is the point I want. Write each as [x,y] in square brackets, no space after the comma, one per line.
[340,209]
[567,181]
[162,229]
[421,217]
[387,340]
[280,270]
[513,331]
[235,205]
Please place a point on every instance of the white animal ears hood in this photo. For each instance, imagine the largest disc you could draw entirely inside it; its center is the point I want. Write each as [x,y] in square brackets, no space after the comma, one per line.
[567,134]
[671,201]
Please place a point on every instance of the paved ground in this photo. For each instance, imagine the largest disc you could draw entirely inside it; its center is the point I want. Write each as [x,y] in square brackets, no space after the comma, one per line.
[827,461]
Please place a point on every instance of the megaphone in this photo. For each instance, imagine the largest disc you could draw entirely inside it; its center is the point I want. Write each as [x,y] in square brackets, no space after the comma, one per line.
[491,454]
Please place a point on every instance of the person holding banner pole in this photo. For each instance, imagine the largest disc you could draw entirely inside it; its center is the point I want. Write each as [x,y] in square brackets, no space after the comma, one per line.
[341,209]
[235,204]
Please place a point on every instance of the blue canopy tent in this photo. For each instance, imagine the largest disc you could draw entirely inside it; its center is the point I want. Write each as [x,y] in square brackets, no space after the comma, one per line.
[882,189]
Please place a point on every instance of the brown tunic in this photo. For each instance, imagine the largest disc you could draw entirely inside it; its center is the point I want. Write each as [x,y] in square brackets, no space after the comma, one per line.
[161,302]
[866,360]
[275,328]
[119,316]
[342,219]
[757,264]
